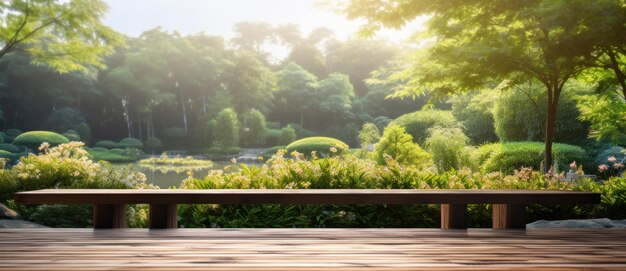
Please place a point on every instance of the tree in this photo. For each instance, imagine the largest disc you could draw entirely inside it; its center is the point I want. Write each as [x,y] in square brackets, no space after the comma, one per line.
[295,95]
[226,130]
[65,35]
[369,135]
[478,41]
[397,144]
[253,129]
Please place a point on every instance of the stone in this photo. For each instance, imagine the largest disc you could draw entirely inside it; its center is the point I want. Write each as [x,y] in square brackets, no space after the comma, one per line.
[15,223]
[6,213]
[597,223]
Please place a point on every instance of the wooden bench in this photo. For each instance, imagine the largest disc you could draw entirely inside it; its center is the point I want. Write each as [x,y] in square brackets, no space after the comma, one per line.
[109,205]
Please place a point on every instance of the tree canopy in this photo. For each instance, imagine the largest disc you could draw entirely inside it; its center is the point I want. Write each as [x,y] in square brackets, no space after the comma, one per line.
[478,43]
[65,35]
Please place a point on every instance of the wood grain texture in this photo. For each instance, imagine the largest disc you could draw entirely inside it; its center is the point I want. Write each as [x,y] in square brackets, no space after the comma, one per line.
[109,216]
[509,216]
[305,196]
[312,249]
[454,216]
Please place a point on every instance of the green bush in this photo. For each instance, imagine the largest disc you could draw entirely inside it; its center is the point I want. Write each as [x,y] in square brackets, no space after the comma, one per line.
[7,155]
[34,139]
[267,154]
[71,135]
[398,145]
[519,118]
[2,136]
[348,172]
[448,148]
[13,133]
[107,144]
[287,135]
[9,147]
[130,142]
[114,155]
[153,144]
[514,155]
[321,145]
[272,137]
[418,123]
[84,132]
[66,166]
[618,152]
[474,112]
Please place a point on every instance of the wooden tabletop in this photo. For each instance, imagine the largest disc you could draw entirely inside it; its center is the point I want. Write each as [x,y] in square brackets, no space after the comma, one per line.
[312,249]
[305,196]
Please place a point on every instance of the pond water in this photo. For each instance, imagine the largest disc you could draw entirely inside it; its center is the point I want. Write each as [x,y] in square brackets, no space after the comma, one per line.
[170,178]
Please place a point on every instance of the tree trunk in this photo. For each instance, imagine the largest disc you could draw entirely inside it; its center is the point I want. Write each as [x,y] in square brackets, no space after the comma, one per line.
[619,75]
[553,102]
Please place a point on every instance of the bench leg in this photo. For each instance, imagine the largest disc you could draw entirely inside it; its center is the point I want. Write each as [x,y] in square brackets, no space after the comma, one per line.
[163,216]
[454,216]
[509,216]
[109,216]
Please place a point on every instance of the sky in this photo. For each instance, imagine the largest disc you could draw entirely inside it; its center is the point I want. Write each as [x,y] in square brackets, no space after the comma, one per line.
[217,17]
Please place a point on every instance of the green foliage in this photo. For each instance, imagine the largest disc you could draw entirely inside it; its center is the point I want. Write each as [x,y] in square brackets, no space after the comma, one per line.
[253,129]
[606,114]
[349,172]
[174,133]
[447,147]
[618,152]
[65,35]
[322,146]
[418,123]
[9,147]
[521,115]
[398,145]
[130,142]
[64,119]
[64,166]
[226,129]
[114,155]
[11,134]
[71,135]
[107,144]
[267,154]
[369,134]
[287,135]
[474,111]
[272,136]
[34,139]
[165,164]
[7,155]
[153,144]
[84,132]
[507,157]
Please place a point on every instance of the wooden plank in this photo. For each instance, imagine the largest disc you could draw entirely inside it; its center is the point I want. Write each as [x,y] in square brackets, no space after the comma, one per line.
[509,216]
[109,216]
[312,249]
[454,216]
[163,216]
[305,196]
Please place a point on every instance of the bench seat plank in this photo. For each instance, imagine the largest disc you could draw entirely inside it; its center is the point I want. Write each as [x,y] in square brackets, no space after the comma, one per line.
[305,196]
[508,205]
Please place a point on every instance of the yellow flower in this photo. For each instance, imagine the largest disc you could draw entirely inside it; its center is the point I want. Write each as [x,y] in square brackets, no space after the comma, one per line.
[333,149]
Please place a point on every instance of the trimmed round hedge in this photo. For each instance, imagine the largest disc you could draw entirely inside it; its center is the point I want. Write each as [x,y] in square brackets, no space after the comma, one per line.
[154,143]
[130,142]
[7,155]
[9,147]
[107,144]
[417,123]
[507,157]
[34,139]
[319,144]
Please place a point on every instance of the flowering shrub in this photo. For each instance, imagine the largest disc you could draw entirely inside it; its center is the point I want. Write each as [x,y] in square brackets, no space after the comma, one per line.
[65,166]
[351,172]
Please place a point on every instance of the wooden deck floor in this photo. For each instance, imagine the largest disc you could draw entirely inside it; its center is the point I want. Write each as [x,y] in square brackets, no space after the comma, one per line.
[312,249]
